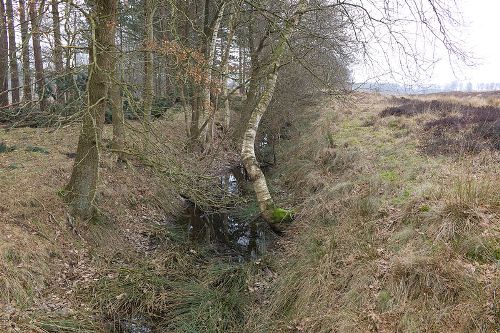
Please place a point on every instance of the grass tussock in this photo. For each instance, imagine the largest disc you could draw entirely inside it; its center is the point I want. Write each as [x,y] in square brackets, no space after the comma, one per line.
[211,298]
[397,241]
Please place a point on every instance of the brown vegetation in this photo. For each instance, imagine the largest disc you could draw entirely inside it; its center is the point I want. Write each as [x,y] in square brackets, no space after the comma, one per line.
[456,127]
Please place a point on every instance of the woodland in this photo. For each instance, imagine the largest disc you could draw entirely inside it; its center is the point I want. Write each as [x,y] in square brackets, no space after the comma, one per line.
[210,166]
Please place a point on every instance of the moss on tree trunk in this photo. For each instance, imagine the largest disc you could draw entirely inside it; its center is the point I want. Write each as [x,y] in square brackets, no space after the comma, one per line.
[81,189]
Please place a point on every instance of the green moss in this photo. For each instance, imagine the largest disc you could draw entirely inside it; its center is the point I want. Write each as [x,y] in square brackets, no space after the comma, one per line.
[280,215]
[35,149]
[390,176]
[424,209]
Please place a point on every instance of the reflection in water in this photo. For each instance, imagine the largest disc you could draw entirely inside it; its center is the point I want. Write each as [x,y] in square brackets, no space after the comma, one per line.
[247,239]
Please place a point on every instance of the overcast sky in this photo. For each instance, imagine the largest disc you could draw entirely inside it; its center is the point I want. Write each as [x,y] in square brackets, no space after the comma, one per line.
[480,38]
[481,31]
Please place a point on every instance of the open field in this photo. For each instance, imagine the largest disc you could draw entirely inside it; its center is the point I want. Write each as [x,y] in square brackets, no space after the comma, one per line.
[397,230]
[392,236]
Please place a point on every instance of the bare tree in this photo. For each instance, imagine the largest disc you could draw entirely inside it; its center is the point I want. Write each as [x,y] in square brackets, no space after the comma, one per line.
[4,59]
[81,189]
[35,17]
[268,209]
[149,10]
[224,65]
[116,102]
[14,71]
[363,21]
[211,35]
[58,50]
[25,53]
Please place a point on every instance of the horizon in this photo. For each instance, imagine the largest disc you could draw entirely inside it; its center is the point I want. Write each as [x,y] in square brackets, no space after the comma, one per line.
[474,38]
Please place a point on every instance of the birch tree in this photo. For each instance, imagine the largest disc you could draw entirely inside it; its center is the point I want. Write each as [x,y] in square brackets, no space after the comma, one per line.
[268,209]
[14,71]
[4,58]
[364,22]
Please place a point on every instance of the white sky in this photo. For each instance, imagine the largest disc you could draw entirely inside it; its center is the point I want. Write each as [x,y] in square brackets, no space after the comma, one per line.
[480,38]
[482,18]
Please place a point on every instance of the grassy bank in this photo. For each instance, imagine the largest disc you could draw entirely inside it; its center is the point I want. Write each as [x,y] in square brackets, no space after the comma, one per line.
[132,265]
[389,237]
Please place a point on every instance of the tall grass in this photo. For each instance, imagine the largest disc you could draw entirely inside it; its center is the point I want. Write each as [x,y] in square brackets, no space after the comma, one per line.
[375,252]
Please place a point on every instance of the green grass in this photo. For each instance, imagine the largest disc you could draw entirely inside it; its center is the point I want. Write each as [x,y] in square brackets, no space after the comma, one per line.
[6,149]
[67,325]
[180,291]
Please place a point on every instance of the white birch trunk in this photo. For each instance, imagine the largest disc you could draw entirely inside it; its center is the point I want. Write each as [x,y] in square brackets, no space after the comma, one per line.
[225,69]
[269,211]
[208,110]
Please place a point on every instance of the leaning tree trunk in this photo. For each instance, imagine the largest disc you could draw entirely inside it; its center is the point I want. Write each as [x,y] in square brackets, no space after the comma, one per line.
[148,60]
[14,71]
[81,190]
[4,59]
[268,209]
[25,53]
[37,51]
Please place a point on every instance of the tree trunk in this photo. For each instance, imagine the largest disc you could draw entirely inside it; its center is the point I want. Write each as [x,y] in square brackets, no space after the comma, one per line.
[252,93]
[81,190]
[148,60]
[208,108]
[25,53]
[116,104]
[4,59]
[268,209]
[225,68]
[35,18]
[58,50]
[14,70]
[250,101]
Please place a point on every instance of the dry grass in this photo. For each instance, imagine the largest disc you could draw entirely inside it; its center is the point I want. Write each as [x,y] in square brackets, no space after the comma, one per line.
[388,239]
[48,267]
[392,240]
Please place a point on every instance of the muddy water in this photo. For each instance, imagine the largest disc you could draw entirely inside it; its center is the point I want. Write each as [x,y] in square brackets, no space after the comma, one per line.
[224,231]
